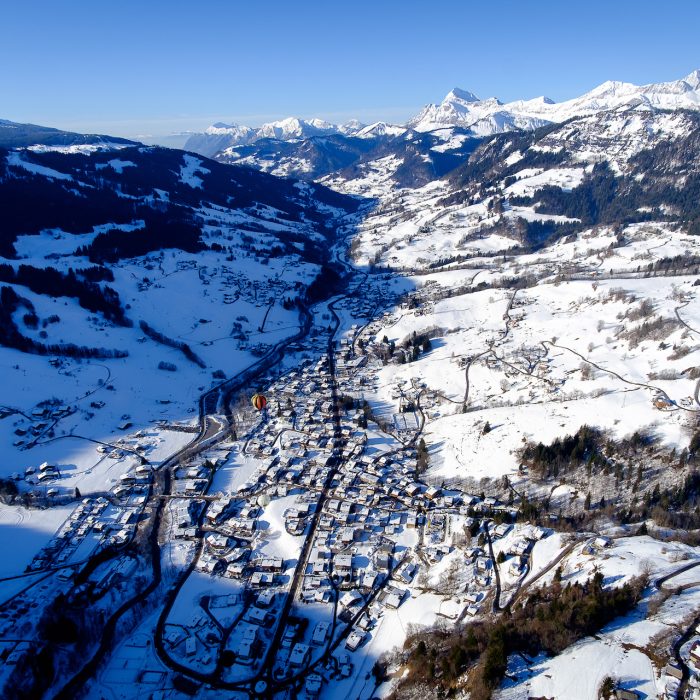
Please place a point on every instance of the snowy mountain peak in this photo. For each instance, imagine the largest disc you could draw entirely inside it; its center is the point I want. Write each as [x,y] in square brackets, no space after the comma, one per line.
[228,129]
[353,124]
[485,117]
[380,129]
[463,109]
[611,88]
[220,136]
[462,95]
[693,79]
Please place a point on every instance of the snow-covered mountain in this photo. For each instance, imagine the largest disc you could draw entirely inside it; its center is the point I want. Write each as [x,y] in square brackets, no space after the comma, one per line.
[485,117]
[381,129]
[220,136]
[416,158]
[17,135]
[88,188]
[315,148]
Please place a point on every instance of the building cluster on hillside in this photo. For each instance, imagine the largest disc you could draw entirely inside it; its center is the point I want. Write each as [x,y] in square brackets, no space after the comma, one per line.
[376,526]
[96,523]
[40,422]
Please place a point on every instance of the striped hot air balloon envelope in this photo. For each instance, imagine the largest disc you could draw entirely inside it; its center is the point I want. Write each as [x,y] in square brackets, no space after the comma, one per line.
[259,401]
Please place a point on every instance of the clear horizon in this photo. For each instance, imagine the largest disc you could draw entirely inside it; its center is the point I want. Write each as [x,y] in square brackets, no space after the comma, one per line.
[168,68]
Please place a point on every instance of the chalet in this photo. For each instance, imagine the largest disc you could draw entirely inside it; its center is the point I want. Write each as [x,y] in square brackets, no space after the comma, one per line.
[369,578]
[273,564]
[412,489]
[365,622]
[602,542]
[207,564]
[350,598]
[256,616]
[342,566]
[354,640]
[501,530]
[249,511]
[432,492]
[347,535]
[243,526]
[326,521]
[261,578]
[394,599]
[265,599]
[193,487]
[295,527]
[521,548]
[372,479]
[301,653]
[313,685]
[174,635]
[122,490]
[322,596]
[408,572]
[235,569]
[216,542]
[483,564]
[320,633]
[382,561]
[244,653]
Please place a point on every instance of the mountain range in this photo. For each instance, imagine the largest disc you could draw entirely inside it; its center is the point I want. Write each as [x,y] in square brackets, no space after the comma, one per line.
[463,109]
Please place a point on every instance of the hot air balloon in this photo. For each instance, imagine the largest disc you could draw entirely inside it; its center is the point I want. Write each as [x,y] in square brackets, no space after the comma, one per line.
[259,401]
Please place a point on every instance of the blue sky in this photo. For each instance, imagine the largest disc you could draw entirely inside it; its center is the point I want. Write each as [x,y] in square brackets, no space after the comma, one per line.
[154,67]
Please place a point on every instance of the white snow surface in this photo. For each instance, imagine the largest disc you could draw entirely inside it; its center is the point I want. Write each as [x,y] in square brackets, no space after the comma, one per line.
[188,172]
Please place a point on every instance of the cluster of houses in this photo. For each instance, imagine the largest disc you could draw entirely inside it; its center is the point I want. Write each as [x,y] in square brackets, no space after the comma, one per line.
[40,422]
[95,523]
[193,479]
[368,512]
